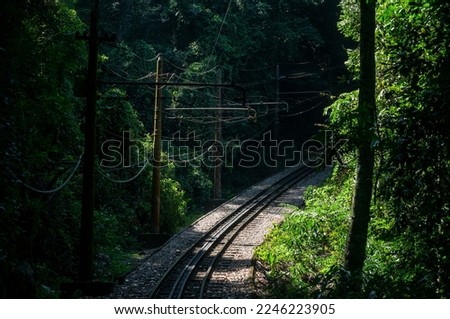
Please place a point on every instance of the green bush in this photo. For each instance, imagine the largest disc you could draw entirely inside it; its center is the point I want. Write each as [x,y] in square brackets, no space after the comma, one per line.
[308,245]
[304,253]
[173,205]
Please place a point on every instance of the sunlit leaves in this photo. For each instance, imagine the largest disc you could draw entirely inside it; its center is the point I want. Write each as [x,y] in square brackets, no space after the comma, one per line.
[407,247]
[308,245]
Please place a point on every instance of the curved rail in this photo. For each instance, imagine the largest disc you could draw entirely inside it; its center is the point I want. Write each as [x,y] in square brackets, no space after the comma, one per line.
[200,258]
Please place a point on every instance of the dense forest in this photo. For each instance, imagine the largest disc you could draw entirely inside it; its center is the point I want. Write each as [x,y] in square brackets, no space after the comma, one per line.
[376,75]
[406,236]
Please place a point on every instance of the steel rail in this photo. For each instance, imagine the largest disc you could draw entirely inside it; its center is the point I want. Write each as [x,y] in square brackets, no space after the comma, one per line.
[190,260]
[245,222]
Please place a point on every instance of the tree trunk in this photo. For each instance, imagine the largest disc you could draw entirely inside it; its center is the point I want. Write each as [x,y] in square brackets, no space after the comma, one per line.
[357,238]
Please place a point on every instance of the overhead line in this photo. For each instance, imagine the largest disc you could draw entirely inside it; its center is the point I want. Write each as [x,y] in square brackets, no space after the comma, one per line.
[193,84]
[59,187]
[220,29]
[190,71]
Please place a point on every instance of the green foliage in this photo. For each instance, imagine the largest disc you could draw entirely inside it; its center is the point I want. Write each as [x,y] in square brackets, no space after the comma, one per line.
[305,252]
[414,129]
[42,120]
[342,118]
[196,184]
[309,244]
[407,254]
[173,207]
[349,22]
[40,135]
[41,142]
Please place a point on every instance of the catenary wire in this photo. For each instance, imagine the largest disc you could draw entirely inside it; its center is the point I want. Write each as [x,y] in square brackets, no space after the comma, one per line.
[59,187]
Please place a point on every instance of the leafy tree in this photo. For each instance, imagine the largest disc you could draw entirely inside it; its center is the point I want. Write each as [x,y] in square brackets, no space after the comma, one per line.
[40,139]
[412,118]
[415,116]
[42,120]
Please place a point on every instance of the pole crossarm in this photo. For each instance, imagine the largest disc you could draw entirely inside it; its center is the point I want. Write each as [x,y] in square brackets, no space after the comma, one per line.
[208,108]
[191,84]
[260,104]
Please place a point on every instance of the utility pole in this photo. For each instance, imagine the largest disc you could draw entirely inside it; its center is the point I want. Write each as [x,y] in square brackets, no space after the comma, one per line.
[276,131]
[218,137]
[157,126]
[88,196]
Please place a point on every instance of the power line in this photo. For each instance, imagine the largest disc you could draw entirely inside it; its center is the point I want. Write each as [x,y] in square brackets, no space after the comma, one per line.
[220,29]
[183,70]
[59,187]
[222,120]
[199,89]
[327,93]
[305,111]
[263,68]
[126,180]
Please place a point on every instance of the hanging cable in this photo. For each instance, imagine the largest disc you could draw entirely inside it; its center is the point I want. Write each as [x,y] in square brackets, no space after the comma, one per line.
[126,180]
[59,187]
[220,31]
[199,89]
[183,70]
[305,111]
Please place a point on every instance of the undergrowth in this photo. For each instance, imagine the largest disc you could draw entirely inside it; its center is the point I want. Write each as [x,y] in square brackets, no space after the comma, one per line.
[305,248]
[304,254]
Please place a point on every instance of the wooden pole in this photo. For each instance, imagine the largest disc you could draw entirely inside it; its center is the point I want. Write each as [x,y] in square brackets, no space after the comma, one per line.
[218,136]
[88,195]
[157,126]
[276,131]
[276,127]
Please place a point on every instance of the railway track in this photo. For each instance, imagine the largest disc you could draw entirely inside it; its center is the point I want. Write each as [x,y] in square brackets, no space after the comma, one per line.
[188,277]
